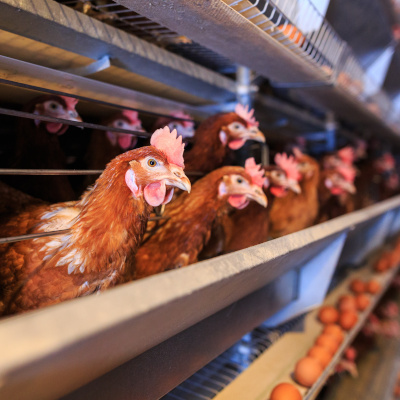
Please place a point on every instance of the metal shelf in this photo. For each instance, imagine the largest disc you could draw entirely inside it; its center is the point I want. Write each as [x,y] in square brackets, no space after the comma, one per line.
[35,77]
[259,379]
[73,343]
[134,61]
[317,60]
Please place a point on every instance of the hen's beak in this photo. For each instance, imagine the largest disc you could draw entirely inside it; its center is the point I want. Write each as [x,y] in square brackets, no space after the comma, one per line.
[348,187]
[253,134]
[293,185]
[256,193]
[70,115]
[177,178]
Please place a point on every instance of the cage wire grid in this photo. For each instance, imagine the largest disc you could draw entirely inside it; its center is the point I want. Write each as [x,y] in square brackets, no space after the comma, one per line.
[306,32]
[206,383]
[127,20]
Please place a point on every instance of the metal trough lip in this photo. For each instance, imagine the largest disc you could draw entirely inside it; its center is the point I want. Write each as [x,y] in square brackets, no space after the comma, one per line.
[98,333]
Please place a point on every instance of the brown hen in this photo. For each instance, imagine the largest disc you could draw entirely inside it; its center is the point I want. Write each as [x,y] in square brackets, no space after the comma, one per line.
[178,242]
[297,211]
[218,135]
[105,229]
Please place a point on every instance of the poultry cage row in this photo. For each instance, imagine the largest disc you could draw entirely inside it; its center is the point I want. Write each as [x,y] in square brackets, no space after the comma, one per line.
[142,339]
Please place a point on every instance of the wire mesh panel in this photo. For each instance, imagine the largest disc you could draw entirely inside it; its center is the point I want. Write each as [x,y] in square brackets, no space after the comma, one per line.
[127,20]
[297,25]
[215,376]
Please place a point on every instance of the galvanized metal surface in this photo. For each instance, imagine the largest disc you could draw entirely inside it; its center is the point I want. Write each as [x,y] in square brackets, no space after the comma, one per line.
[53,81]
[222,29]
[217,27]
[92,38]
[157,371]
[257,381]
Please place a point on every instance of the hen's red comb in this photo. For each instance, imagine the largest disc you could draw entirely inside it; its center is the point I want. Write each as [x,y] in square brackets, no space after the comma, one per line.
[348,172]
[346,154]
[246,114]
[71,102]
[133,116]
[171,145]
[288,164]
[181,114]
[255,171]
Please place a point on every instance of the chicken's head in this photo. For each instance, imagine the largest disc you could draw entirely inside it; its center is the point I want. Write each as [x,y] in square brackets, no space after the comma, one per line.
[158,169]
[284,176]
[344,156]
[62,107]
[128,120]
[238,127]
[385,163]
[241,185]
[306,165]
[340,180]
[179,121]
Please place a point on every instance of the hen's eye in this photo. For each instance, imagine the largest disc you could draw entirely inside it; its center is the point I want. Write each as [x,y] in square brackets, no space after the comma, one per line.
[239,180]
[120,124]
[151,162]
[53,105]
[236,126]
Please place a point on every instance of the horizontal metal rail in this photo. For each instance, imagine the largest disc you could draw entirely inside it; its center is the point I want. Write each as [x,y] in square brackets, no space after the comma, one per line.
[6,171]
[10,171]
[55,92]
[79,124]
[20,238]
[33,77]
[93,39]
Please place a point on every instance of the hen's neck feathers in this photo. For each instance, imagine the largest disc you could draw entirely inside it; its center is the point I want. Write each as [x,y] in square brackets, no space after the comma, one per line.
[191,218]
[208,152]
[110,226]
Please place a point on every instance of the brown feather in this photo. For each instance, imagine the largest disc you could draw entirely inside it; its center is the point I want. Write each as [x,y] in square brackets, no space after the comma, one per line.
[208,152]
[96,254]
[297,211]
[191,218]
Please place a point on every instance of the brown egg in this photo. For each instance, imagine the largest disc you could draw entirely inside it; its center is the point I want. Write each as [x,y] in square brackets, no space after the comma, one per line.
[307,371]
[373,286]
[328,315]
[347,302]
[292,33]
[334,330]
[363,301]
[357,286]
[328,341]
[348,319]
[285,391]
[321,354]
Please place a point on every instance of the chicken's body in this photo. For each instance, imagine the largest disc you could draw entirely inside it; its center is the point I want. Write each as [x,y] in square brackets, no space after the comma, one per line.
[178,242]
[105,229]
[332,206]
[297,211]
